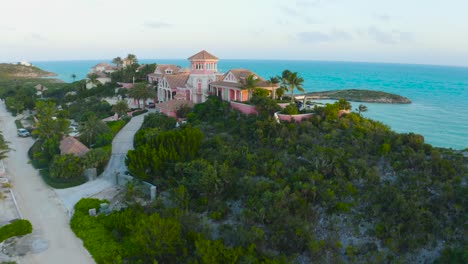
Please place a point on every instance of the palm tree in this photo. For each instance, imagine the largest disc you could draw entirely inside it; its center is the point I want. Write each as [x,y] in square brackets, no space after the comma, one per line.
[294,81]
[273,81]
[250,84]
[3,147]
[93,78]
[117,61]
[141,91]
[92,128]
[73,77]
[121,108]
[131,59]
[361,109]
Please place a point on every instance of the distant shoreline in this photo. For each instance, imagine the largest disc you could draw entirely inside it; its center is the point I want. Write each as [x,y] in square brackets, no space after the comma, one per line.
[357,95]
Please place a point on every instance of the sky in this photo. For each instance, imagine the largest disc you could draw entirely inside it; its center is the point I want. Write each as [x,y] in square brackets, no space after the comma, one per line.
[395,31]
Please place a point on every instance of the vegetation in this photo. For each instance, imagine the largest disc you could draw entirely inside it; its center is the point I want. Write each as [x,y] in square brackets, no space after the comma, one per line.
[362,96]
[16,228]
[4,148]
[307,189]
[135,236]
[142,91]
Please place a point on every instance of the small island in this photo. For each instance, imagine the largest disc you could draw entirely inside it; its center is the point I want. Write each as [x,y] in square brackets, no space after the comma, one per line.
[357,95]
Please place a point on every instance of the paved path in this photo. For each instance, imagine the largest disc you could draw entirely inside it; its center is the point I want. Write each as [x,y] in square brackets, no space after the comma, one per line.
[122,142]
[53,240]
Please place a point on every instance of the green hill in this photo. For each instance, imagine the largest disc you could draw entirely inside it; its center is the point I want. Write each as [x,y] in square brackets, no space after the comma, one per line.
[12,71]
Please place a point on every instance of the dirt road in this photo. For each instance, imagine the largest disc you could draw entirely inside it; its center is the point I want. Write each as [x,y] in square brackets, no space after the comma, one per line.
[52,240]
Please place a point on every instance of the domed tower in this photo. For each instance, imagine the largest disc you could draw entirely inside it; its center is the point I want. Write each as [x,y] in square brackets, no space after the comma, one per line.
[204,67]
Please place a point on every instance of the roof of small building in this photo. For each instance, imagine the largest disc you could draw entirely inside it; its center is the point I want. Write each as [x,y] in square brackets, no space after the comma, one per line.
[161,68]
[125,85]
[241,75]
[203,55]
[173,105]
[71,145]
[40,87]
[178,80]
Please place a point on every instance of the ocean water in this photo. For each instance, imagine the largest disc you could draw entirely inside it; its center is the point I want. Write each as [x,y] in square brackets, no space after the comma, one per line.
[439,94]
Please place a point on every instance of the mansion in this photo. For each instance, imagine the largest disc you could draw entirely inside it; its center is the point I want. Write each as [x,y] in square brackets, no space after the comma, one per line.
[201,80]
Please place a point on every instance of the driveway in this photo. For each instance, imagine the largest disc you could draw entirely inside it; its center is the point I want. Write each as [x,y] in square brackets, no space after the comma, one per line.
[122,142]
[52,240]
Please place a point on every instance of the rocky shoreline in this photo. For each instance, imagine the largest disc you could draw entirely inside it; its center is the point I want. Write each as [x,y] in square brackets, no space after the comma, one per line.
[357,95]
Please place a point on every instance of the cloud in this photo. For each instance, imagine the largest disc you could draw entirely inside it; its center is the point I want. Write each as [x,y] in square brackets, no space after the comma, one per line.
[296,14]
[157,24]
[392,37]
[318,37]
[35,37]
[382,17]
[7,28]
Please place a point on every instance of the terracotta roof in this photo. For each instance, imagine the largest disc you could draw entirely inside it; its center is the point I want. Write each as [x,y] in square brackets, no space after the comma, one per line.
[102,64]
[172,105]
[203,55]
[243,73]
[178,80]
[71,145]
[161,68]
[126,85]
[185,70]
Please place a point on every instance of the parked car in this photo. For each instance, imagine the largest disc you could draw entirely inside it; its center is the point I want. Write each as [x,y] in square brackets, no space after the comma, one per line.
[150,105]
[74,132]
[23,132]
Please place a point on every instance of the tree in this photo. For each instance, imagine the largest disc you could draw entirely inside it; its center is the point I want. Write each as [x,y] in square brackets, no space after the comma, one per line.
[131,59]
[73,77]
[294,81]
[141,91]
[49,125]
[4,148]
[121,108]
[92,128]
[14,103]
[66,166]
[273,81]
[117,61]
[344,105]
[361,109]
[93,79]
[250,84]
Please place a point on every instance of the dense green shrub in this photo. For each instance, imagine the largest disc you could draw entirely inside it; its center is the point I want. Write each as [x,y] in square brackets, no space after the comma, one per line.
[67,166]
[17,228]
[137,113]
[291,109]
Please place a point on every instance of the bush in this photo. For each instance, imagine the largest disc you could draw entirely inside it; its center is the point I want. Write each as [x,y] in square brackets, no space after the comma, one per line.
[291,109]
[17,228]
[60,183]
[137,113]
[116,126]
[66,167]
[18,124]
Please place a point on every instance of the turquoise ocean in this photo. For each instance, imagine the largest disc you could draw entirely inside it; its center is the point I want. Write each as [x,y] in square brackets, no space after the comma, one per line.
[439,94]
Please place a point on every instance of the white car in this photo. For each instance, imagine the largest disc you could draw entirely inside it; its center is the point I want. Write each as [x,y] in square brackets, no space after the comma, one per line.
[23,132]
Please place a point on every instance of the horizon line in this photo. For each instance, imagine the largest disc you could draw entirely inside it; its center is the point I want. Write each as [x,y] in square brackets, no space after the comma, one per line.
[263,59]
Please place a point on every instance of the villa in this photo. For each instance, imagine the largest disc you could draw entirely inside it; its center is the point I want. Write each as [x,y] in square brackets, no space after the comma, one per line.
[103,67]
[201,80]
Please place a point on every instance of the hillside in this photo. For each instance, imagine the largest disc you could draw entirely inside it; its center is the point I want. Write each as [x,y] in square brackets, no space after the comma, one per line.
[357,95]
[11,71]
[245,189]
